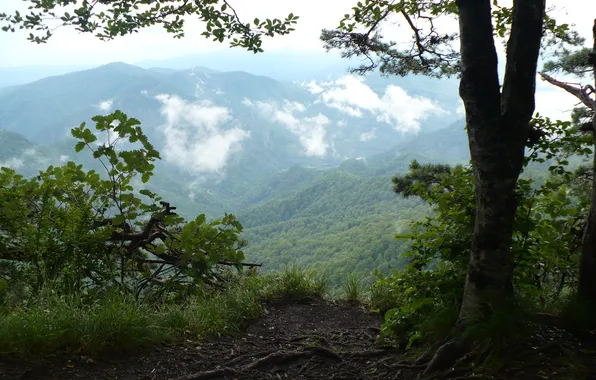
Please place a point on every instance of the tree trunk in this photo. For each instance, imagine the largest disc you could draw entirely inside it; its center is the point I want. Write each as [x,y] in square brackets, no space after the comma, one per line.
[587,264]
[498,126]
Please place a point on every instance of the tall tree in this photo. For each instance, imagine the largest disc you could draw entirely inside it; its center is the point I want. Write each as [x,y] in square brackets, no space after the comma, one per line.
[581,63]
[498,118]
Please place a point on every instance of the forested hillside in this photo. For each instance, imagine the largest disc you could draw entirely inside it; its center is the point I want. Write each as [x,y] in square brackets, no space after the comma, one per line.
[343,223]
[341,219]
[196,223]
[333,210]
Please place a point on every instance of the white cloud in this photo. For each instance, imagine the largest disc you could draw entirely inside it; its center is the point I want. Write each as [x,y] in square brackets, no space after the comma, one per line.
[396,107]
[64,158]
[192,196]
[367,136]
[313,87]
[310,130]
[13,163]
[195,138]
[105,105]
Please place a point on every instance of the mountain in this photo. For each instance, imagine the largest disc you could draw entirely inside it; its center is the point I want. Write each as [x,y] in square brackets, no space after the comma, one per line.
[284,66]
[259,125]
[18,75]
[306,167]
[341,222]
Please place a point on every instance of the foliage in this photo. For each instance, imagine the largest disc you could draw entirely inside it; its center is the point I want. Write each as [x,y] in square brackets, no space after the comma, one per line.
[430,52]
[353,287]
[341,223]
[571,62]
[109,19]
[72,230]
[546,239]
[296,283]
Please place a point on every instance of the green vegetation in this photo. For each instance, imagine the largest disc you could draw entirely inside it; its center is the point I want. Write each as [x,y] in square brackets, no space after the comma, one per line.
[342,223]
[89,263]
[50,323]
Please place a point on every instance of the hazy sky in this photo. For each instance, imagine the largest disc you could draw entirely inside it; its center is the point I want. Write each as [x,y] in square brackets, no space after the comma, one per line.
[70,47]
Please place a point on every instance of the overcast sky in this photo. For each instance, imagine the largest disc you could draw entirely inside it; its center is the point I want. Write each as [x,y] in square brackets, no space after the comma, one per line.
[70,47]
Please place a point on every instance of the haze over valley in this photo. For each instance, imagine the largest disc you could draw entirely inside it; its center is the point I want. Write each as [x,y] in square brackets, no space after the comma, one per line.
[303,164]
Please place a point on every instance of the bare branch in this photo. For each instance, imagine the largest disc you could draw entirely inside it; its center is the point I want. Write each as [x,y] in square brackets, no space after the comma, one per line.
[579,92]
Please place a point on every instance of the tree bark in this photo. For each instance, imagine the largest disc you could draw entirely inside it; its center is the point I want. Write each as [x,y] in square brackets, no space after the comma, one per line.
[498,126]
[587,264]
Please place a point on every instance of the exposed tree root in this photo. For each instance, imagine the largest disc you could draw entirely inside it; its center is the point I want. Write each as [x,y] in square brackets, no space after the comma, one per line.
[250,355]
[273,358]
[370,353]
[204,375]
[445,356]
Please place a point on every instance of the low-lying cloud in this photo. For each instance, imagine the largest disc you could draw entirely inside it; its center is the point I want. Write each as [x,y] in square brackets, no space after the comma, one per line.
[309,129]
[105,105]
[195,138]
[352,96]
[367,136]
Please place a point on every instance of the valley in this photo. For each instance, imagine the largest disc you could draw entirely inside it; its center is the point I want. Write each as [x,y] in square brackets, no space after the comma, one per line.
[305,166]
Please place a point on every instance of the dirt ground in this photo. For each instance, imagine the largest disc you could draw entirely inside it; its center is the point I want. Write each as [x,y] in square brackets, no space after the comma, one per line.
[313,340]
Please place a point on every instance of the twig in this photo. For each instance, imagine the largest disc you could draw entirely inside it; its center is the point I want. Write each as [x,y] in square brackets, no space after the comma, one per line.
[209,374]
[246,356]
[273,358]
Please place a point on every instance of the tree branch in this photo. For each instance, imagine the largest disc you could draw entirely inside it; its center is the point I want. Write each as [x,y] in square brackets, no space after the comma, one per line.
[523,47]
[479,86]
[579,92]
[417,37]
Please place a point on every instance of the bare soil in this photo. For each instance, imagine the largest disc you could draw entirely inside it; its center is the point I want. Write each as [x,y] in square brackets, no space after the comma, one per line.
[309,340]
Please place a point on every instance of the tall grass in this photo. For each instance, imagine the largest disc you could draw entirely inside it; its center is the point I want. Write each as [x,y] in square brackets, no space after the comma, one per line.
[295,283]
[353,288]
[119,323]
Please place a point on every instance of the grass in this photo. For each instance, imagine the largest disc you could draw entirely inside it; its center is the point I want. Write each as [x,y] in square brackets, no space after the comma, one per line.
[120,323]
[353,288]
[295,283]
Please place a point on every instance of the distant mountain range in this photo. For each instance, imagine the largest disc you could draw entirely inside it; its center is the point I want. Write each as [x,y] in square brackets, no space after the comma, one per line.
[216,126]
[283,156]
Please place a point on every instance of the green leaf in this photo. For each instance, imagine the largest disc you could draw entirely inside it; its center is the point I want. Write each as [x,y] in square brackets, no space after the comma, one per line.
[80,146]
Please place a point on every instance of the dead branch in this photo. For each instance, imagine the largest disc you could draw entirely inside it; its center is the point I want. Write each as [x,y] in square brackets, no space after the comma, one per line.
[125,239]
[243,264]
[582,93]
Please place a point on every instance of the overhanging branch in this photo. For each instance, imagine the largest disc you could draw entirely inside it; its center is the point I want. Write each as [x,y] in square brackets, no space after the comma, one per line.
[582,93]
